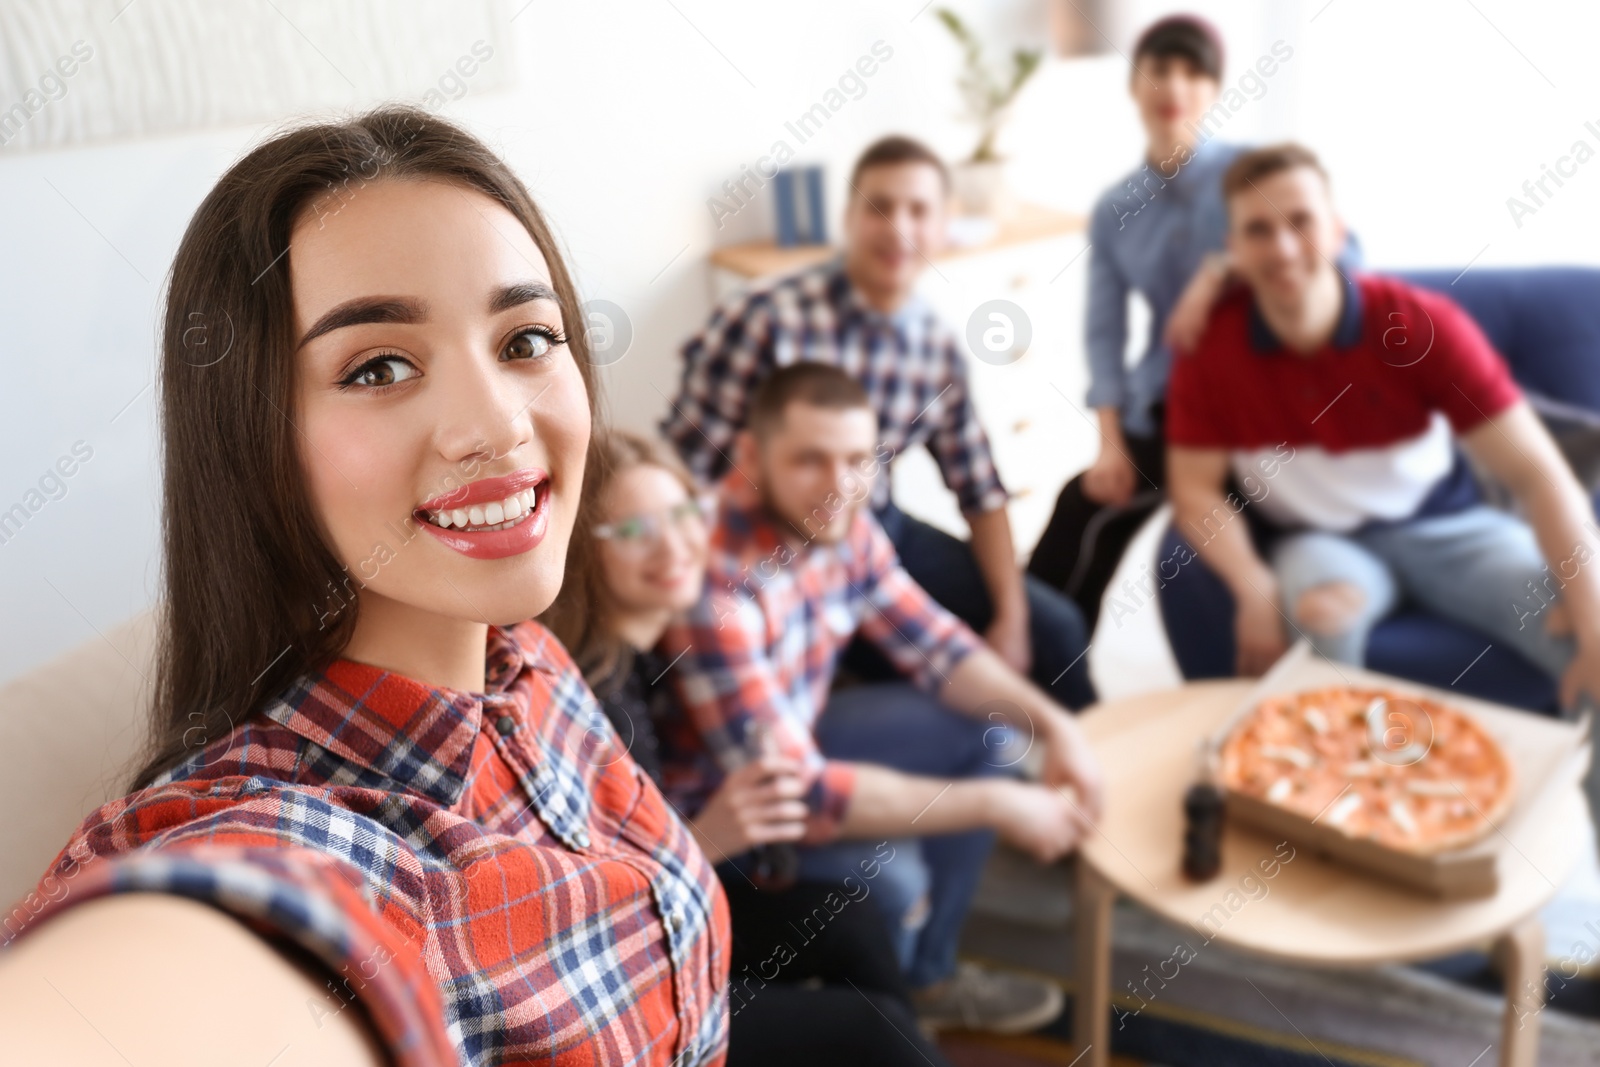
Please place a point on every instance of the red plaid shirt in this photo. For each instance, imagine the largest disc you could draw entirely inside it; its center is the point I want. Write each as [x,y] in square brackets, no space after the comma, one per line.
[489,873]
[761,644]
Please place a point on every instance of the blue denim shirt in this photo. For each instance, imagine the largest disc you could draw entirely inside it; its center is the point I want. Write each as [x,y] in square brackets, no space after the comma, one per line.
[1148,234]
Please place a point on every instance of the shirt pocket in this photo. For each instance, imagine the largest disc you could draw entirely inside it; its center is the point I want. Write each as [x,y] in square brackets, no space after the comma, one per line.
[657,843]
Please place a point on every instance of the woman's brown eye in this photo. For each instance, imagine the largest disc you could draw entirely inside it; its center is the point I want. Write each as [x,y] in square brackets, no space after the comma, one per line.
[382,372]
[530,344]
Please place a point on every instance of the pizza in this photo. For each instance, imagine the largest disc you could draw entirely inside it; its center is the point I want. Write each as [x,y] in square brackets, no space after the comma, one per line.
[1406,771]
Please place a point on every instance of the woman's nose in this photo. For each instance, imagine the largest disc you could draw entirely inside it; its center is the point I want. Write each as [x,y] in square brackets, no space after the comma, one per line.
[484,412]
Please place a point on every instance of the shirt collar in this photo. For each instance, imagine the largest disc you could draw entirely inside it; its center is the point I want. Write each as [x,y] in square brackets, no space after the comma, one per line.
[420,736]
[850,303]
[1346,332]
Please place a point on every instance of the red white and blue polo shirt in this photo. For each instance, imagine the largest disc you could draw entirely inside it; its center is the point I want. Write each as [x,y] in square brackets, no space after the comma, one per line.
[1360,430]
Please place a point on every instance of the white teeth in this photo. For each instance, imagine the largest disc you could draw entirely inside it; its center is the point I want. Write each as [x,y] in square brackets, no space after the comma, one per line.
[501,514]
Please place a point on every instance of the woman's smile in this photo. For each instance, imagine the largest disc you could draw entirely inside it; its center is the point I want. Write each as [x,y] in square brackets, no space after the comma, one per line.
[673,577]
[493,517]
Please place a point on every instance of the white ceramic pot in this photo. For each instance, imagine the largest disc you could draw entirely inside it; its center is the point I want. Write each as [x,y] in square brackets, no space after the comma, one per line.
[980,188]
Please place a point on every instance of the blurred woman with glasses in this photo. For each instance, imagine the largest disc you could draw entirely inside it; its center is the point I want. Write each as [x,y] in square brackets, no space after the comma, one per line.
[831,994]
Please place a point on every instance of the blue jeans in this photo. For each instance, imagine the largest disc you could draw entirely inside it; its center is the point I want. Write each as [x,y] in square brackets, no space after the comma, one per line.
[945,567]
[1478,567]
[923,886]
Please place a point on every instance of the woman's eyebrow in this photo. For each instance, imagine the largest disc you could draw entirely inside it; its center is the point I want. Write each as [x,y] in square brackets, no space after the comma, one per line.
[367,309]
[510,296]
[409,310]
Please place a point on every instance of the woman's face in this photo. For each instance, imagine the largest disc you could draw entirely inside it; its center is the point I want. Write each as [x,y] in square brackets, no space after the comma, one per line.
[663,572]
[442,418]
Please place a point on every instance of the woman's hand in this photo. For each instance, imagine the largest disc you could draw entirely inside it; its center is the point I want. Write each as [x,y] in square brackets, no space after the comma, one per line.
[756,805]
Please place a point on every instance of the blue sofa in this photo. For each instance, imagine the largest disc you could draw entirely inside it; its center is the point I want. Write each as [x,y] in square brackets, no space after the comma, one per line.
[1546,323]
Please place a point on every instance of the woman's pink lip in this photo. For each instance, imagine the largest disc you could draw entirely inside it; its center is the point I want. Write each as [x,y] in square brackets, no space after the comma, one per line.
[498,544]
[487,490]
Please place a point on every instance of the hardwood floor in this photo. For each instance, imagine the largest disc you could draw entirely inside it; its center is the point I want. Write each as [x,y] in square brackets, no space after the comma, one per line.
[988,1050]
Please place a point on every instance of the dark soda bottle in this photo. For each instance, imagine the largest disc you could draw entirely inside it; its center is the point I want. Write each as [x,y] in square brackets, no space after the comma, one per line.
[1202,832]
[776,865]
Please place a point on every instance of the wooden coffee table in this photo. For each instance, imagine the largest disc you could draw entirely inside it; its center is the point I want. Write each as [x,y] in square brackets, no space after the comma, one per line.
[1316,913]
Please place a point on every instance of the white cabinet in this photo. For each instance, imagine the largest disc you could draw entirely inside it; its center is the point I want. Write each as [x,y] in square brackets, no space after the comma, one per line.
[1032,406]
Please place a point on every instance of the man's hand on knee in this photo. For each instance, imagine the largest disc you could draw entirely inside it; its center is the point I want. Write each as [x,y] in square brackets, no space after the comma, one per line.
[1258,631]
[1330,608]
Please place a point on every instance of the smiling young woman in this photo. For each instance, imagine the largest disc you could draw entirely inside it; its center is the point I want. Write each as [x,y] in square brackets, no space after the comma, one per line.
[360,748]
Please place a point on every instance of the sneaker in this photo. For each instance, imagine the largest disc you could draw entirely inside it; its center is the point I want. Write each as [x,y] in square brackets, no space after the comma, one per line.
[997,1002]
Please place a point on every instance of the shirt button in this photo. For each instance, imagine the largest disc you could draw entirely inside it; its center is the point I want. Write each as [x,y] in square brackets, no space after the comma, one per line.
[582,838]
[505,724]
[674,921]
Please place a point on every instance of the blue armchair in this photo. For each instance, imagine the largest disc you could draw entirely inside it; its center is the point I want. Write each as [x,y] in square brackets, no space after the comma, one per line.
[1546,323]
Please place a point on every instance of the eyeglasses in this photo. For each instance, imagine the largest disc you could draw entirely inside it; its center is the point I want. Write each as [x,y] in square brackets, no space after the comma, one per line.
[641,532]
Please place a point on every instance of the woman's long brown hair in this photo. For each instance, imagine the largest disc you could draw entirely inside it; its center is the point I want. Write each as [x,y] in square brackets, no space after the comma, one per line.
[581,616]
[252,595]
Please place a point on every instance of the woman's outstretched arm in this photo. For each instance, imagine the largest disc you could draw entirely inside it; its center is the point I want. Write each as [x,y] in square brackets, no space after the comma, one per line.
[159,978]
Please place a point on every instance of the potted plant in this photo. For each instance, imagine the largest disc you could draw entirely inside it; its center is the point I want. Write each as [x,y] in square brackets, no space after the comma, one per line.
[979,179]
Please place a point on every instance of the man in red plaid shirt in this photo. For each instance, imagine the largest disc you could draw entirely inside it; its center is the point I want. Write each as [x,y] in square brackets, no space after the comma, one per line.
[908,784]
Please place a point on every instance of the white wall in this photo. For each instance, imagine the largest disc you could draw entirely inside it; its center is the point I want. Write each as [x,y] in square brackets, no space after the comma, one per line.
[626,117]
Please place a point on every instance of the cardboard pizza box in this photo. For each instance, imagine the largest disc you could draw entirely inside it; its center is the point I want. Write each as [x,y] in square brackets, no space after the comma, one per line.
[1550,756]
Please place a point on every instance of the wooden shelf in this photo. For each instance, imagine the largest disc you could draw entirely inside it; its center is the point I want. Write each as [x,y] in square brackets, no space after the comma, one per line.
[1027,222]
